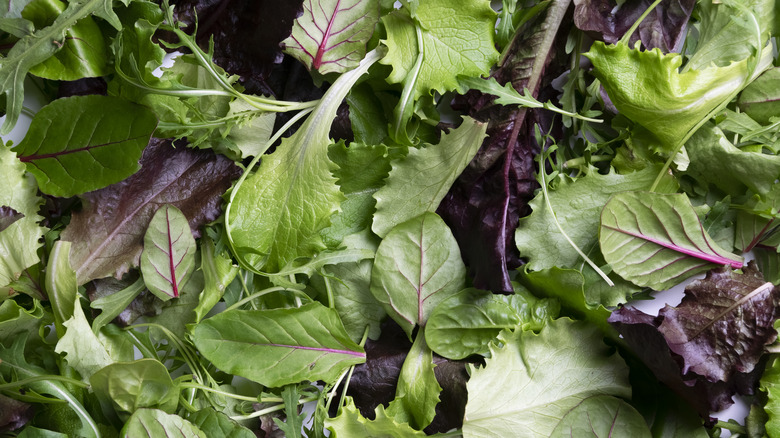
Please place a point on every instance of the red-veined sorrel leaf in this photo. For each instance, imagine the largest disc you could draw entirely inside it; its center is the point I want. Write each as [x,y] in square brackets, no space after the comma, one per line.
[279,346]
[168,258]
[84,143]
[331,36]
[656,240]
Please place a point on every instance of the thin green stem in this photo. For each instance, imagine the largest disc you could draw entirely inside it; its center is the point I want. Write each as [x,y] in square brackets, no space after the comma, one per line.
[194,385]
[627,36]
[25,382]
[581,161]
[259,294]
[266,411]
[733,428]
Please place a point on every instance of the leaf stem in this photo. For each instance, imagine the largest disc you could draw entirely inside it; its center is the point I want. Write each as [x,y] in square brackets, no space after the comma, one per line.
[266,411]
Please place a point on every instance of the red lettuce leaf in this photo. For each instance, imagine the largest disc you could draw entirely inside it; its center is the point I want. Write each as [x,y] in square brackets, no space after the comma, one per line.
[664,28]
[14,414]
[107,234]
[8,216]
[485,203]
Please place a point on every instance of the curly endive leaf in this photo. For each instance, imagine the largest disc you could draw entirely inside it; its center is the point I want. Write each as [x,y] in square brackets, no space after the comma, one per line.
[84,143]
[332,36]
[280,346]
[168,258]
[656,240]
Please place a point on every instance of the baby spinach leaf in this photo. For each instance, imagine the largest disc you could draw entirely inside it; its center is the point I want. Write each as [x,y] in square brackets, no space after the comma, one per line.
[108,233]
[420,180]
[84,143]
[128,386]
[152,423]
[656,240]
[512,391]
[61,286]
[280,346]
[168,257]
[349,423]
[214,423]
[465,323]
[431,51]
[417,266]
[276,215]
[332,36]
[603,416]
[417,391]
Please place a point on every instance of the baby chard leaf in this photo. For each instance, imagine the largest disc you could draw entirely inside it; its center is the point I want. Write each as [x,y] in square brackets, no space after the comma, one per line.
[85,143]
[332,36]
[417,266]
[656,240]
[168,257]
[280,346]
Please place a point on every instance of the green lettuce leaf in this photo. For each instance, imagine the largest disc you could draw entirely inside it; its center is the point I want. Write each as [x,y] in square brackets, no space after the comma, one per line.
[603,416]
[349,423]
[83,349]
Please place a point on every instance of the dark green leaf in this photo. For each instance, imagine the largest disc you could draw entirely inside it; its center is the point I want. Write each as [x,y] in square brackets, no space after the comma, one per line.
[129,386]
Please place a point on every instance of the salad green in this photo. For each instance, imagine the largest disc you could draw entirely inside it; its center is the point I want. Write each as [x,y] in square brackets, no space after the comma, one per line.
[376,218]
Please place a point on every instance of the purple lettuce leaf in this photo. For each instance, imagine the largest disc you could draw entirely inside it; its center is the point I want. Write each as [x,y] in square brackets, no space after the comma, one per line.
[14,414]
[8,216]
[664,28]
[483,206]
[108,233]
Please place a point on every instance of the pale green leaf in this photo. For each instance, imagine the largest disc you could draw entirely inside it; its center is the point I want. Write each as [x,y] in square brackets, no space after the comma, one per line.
[168,257]
[761,99]
[61,285]
[111,306]
[532,381]
[19,242]
[84,143]
[419,181]
[349,423]
[154,423]
[218,271]
[602,416]
[16,320]
[217,424]
[276,215]
[457,39]
[83,349]
[417,391]
[656,240]
[36,48]
[130,386]
[331,36]
[280,346]
[467,322]
[770,385]
[417,266]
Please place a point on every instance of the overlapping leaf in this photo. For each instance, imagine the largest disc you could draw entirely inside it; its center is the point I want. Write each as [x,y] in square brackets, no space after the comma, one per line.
[168,257]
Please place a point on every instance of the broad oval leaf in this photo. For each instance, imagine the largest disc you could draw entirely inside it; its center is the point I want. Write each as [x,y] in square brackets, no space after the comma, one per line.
[467,322]
[168,258]
[84,143]
[417,392]
[656,240]
[129,386]
[154,423]
[417,266]
[280,346]
[332,36]
[603,416]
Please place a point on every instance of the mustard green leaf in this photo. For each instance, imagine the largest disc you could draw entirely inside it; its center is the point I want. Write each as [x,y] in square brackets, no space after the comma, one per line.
[457,39]
[168,257]
[332,36]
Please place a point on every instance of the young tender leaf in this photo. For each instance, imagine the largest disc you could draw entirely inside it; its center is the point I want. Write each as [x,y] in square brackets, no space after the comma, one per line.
[280,346]
[770,385]
[332,36]
[61,285]
[154,423]
[16,320]
[214,423]
[84,143]
[37,47]
[293,422]
[177,314]
[656,240]
[108,233]
[350,423]
[467,322]
[417,266]
[112,305]
[129,386]
[218,271]
[276,215]
[83,53]
[168,257]
[513,390]
[723,323]
[419,181]
[761,99]
[456,39]
[83,349]
[417,392]
[20,239]
[603,416]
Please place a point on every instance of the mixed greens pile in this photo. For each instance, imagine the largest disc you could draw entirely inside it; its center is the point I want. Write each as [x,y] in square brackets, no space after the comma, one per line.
[418,218]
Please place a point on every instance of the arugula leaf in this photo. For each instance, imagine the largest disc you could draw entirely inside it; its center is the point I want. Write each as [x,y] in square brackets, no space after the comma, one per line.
[420,180]
[417,266]
[293,419]
[280,346]
[168,257]
[512,391]
[656,240]
[331,37]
